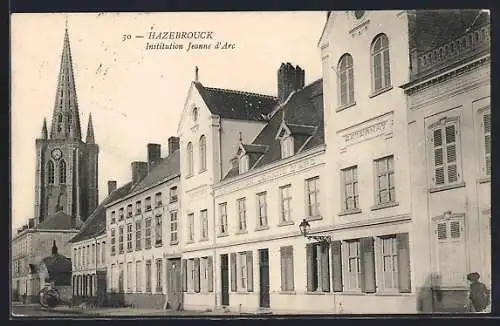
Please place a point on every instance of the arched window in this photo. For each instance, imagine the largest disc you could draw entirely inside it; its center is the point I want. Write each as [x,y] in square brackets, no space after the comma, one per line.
[50,172]
[190,159]
[381,68]
[70,120]
[195,114]
[346,80]
[62,171]
[59,122]
[203,153]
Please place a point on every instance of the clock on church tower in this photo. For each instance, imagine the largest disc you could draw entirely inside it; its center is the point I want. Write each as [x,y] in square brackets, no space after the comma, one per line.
[56,154]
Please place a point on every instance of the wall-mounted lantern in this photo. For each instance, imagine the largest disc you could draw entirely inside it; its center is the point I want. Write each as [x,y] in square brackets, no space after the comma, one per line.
[305,228]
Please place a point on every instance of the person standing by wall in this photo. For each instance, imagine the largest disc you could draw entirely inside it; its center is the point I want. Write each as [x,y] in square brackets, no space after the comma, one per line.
[479,296]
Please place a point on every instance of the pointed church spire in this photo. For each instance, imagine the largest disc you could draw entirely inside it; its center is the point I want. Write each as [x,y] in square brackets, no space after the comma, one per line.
[44,129]
[66,117]
[90,131]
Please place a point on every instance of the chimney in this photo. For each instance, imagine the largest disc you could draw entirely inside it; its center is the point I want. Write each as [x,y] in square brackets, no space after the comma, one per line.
[154,155]
[290,79]
[111,186]
[139,171]
[173,144]
[235,162]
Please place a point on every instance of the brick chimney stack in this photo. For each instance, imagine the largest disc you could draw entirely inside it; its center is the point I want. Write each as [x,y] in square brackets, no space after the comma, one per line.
[173,144]
[154,155]
[290,79]
[111,186]
[139,171]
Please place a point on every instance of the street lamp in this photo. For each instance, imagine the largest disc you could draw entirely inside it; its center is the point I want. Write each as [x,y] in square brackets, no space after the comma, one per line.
[305,228]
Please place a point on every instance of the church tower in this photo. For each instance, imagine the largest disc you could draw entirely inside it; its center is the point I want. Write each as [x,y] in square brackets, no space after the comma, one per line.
[66,167]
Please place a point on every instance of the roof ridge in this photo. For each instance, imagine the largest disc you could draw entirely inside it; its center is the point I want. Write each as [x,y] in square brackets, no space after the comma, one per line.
[227,90]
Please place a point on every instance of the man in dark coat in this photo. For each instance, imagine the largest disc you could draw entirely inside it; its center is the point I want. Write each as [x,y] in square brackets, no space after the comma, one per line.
[479,296]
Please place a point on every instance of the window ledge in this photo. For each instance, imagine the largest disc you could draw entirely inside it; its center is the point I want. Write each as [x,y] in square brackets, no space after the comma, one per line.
[384,205]
[203,170]
[189,176]
[221,235]
[314,218]
[380,91]
[138,249]
[147,209]
[292,292]
[485,179]
[242,232]
[263,227]
[147,247]
[286,223]
[447,187]
[244,292]
[352,292]
[203,240]
[349,212]
[345,106]
[189,242]
[394,293]
[158,245]
[174,242]
[317,293]
[130,250]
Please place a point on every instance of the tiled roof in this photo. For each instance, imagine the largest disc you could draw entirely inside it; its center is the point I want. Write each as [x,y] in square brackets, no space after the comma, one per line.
[232,104]
[57,221]
[303,114]
[167,167]
[96,223]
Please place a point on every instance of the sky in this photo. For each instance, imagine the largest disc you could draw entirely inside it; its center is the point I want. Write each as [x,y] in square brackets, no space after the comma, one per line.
[135,95]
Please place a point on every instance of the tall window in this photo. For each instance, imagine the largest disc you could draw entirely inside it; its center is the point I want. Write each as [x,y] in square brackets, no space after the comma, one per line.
[147,236]
[318,268]
[312,196]
[129,210]
[120,214]
[147,204]
[350,189]
[261,209]
[138,276]
[353,280]
[173,227]
[381,69]
[204,224]
[138,235]
[158,201]
[98,254]
[189,157]
[113,243]
[120,278]
[191,227]
[242,270]
[346,80]
[486,124]
[389,262]
[120,239]
[242,214]
[445,152]
[148,275]
[223,218]
[159,276]
[285,200]
[92,254]
[129,277]
[50,172]
[243,164]
[385,188]
[59,122]
[173,194]
[158,230]
[129,237]
[103,251]
[203,153]
[287,283]
[62,171]
[138,209]
[113,217]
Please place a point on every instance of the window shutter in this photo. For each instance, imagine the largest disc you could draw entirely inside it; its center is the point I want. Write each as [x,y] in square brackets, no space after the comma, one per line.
[234,276]
[310,267]
[336,266]
[283,268]
[184,275]
[289,269]
[210,268]
[368,284]
[196,266]
[325,268]
[249,271]
[404,262]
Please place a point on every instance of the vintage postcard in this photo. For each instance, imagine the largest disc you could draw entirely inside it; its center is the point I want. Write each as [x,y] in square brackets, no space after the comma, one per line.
[319,162]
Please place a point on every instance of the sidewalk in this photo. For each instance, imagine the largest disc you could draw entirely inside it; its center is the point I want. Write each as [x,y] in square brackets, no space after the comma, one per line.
[105,312]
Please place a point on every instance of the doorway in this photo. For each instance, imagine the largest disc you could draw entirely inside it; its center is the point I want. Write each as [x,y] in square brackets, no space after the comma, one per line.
[264,278]
[174,288]
[224,269]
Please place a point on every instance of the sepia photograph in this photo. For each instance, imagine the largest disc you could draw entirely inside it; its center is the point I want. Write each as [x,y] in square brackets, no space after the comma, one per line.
[259,163]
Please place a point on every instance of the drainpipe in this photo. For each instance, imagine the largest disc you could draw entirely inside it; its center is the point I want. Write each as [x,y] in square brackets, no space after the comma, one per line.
[214,219]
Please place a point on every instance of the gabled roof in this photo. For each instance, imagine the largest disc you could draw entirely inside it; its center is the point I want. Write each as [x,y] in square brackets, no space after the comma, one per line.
[303,112]
[168,167]
[239,105]
[96,223]
[57,221]
[295,129]
[253,148]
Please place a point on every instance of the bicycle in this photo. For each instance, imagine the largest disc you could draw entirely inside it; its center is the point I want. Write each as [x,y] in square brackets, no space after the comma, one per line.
[49,297]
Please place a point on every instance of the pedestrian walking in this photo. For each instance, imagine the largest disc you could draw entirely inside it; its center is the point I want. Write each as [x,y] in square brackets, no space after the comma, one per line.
[479,296]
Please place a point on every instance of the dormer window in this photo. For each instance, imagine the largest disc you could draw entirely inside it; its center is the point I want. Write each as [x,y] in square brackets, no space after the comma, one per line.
[286,147]
[243,164]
